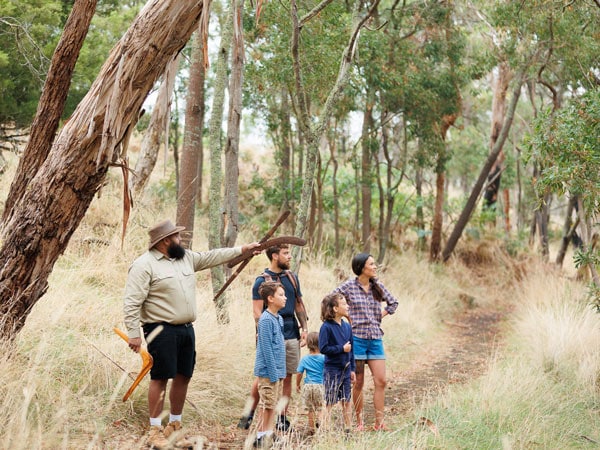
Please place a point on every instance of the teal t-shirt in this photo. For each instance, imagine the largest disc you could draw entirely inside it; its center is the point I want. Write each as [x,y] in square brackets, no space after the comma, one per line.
[313,366]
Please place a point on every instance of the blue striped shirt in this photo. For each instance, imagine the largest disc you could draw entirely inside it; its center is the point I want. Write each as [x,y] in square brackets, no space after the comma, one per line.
[364,310]
[270,348]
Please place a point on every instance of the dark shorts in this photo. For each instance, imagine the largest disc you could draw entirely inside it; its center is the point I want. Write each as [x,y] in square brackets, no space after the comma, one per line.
[173,350]
[337,385]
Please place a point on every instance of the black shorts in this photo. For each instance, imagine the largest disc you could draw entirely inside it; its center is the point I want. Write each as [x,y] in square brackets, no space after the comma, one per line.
[173,350]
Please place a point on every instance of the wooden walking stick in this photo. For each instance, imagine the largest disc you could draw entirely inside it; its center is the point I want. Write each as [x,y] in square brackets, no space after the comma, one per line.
[147,362]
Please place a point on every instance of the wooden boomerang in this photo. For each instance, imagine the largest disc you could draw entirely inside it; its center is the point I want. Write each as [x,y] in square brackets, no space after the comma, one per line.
[284,215]
[147,362]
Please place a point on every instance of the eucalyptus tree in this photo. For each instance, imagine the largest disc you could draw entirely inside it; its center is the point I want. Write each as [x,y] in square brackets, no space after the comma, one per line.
[568,65]
[52,101]
[270,85]
[189,189]
[156,132]
[215,145]
[234,116]
[542,41]
[29,32]
[61,191]
[565,142]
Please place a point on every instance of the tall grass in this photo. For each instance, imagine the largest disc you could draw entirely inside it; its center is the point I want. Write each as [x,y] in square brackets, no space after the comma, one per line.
[541,391]
[61,387]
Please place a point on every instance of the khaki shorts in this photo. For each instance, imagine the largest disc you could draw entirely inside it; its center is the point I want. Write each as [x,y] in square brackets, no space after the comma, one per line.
[292,355]
[269,392]
[313,396]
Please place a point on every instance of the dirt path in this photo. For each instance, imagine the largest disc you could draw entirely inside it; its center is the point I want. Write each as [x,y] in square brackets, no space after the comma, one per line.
[462,354]
[459,355]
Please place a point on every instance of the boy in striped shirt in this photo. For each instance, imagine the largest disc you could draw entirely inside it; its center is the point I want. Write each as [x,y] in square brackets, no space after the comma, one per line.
[269,365]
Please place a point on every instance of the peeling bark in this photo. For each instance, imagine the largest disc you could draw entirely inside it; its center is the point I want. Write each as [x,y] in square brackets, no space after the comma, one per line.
[59,195]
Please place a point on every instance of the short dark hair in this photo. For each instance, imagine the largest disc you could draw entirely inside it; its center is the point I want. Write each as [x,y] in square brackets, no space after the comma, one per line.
[268,288]
[327,304]
[275,250]
[312,341]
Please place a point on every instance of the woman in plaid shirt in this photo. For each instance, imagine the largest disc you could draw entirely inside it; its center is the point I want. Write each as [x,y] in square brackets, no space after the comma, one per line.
[369,302]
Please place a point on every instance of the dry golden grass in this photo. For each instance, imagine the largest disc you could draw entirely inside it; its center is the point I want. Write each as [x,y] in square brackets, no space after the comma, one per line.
[60,386]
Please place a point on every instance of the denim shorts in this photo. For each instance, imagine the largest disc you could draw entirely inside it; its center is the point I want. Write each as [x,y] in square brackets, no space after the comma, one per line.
[366,349]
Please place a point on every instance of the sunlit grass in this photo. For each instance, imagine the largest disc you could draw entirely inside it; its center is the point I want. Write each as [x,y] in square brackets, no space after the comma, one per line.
[540,393]
[61,384]
[62,387]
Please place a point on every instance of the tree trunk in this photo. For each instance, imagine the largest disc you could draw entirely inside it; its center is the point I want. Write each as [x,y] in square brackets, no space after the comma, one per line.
[568,231]
[367,143]
[191,153]
[158,128]
[312,132]
[498,112]
[436,229]
[543,217]
[382,198]
[215,202]
[52,101]
[465,215]
[321,174]
[586,237]
[60,193]
[440,191]
[420,216]
[232,147]
[286,166]
[201,104]
[336,203]
[506,205]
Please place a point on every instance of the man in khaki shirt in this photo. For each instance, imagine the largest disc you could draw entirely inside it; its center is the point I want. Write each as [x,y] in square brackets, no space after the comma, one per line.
[160,297]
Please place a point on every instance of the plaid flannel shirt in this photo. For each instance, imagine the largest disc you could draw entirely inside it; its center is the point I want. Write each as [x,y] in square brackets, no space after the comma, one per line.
[365,311]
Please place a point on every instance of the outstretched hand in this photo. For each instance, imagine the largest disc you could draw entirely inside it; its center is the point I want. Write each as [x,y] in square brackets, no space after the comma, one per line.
[248,247]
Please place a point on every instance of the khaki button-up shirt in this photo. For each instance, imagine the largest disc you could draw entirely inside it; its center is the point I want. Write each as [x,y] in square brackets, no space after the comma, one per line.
[162,289]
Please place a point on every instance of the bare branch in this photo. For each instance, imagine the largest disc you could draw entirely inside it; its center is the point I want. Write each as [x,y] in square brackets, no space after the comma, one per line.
[555,99]
[30,51]
[316,10]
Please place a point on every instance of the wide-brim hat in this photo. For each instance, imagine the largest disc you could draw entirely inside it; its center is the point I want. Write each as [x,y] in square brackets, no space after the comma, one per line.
[162,230]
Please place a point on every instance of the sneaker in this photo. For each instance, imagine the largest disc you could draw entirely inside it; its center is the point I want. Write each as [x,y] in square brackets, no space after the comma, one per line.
[156,439]
[282,424]
[264,441]
[245,422]
[173,432]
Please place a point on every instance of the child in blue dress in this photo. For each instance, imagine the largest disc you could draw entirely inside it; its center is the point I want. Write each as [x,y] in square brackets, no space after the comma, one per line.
[335,342]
